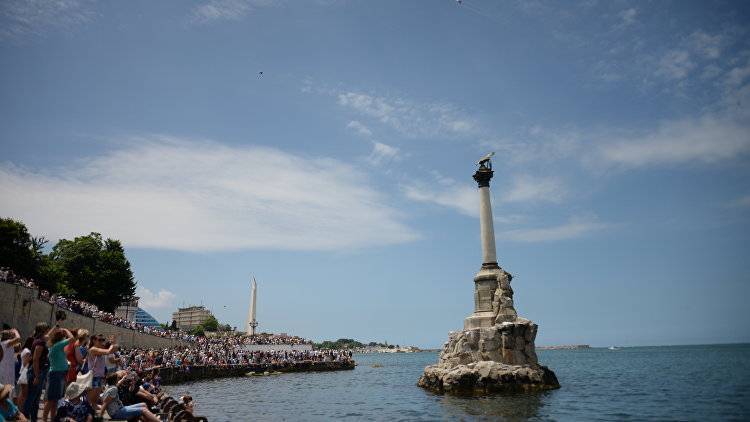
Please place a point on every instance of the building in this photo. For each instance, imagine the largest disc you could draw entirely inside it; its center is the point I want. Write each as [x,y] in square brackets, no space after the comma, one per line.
[190,317]
[131,312]
[144,318]
[127,310]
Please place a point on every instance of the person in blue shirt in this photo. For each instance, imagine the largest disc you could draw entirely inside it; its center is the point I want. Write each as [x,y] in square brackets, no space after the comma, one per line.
[8,410]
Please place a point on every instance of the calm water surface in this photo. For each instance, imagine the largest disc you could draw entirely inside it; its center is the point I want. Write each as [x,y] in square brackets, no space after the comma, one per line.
[639,383]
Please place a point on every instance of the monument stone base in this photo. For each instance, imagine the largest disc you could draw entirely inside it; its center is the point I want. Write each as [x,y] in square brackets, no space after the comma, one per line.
[490,359]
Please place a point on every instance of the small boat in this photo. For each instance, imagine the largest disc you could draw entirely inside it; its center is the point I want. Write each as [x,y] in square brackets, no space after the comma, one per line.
[613,348]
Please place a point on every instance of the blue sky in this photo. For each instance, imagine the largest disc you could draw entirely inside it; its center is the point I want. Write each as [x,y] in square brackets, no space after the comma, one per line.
[341,176]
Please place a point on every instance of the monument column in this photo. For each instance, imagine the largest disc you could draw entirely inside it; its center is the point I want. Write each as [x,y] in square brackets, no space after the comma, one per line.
[485,281]
[251,321]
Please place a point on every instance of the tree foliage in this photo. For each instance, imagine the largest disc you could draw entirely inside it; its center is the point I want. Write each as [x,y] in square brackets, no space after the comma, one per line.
[24,254]
[211,324]
[17,249]
[342,343]
[95,270]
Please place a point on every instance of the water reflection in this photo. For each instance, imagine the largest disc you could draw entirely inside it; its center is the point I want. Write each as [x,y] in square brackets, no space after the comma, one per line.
[505,406]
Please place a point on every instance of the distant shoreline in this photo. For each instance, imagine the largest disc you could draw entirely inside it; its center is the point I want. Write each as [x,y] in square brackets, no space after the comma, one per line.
[564,347]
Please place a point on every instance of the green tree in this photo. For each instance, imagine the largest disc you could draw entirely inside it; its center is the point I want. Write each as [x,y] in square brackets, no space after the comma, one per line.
[17,249]
[211,324]
[24,254]
[95,270]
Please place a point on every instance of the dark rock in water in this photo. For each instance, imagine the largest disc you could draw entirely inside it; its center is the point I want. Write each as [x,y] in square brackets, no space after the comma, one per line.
[487,377]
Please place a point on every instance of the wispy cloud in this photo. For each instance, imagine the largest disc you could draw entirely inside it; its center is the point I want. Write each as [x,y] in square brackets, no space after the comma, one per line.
[200,196]
[528,188]
[705,44]
[360,128]
[574,228]
[675,64]
[707,139]
[743,202]
[628,16]
[218,10]
[382,153]
[408,118]
[460,197]
[163,299]
[19,18]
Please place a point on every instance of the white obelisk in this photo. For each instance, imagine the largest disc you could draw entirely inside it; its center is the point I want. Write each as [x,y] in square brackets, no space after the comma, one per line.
[251,321]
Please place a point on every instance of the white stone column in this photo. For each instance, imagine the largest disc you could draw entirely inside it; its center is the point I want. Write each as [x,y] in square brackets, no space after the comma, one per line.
[485,282]
[486,226]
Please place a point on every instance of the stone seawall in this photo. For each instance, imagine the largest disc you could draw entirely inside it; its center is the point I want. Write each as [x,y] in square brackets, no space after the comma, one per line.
[20,308]
[171,376]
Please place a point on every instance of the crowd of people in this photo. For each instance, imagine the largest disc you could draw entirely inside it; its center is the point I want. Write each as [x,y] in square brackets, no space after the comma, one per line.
[83,376]
[275,339]
[91,310]
[86,375]
[221,352]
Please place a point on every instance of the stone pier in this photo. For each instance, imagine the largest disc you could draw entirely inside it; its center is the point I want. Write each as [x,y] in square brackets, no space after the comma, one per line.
[495,352]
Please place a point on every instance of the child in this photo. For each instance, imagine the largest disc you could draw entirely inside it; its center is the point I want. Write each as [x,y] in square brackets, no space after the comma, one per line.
[115,408]
[75,407]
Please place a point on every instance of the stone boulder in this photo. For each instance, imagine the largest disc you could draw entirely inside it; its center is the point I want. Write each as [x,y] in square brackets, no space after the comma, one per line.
[485,377]
[490,359]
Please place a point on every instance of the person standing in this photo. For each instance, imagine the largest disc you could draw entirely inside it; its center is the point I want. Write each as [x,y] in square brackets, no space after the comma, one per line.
[58,368]
[74,355]
[38,372]
[9,339]
[23,376]
[95,362]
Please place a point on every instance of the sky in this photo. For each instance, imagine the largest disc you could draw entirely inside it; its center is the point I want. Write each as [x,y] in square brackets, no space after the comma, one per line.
[327,148]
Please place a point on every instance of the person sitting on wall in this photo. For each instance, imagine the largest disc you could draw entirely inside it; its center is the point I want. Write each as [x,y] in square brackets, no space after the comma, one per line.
[114,407]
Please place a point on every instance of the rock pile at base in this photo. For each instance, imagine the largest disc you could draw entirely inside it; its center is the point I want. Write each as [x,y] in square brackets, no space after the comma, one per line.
[490,359]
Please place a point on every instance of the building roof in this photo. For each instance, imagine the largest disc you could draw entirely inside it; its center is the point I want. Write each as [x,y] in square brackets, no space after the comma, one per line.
[144,318]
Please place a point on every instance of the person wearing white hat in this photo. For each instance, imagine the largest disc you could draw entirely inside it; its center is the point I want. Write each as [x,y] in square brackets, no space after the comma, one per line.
[76,407]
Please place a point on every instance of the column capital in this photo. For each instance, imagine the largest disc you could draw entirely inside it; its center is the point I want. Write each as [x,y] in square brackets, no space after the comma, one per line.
[483,176]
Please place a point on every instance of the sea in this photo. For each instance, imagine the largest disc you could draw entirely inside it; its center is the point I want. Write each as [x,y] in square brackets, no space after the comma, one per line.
[682,383]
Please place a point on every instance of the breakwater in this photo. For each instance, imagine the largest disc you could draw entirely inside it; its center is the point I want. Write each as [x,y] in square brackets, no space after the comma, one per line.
[171,376]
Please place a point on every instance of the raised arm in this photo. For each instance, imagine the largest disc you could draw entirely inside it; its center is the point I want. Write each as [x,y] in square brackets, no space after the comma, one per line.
[16,339]
[96,351]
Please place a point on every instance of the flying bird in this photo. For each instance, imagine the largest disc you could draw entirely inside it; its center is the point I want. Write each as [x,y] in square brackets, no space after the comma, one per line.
[486,158]
[260,74]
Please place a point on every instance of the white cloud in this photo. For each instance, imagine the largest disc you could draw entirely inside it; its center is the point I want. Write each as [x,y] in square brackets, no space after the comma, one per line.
[163,299]
[176,194]
[465,199]
[217,10]
[628,16]
[527,188]
[358,127]
[708,46]
[707,139]
[462,198]
[382,153]
[27,17]
[574,228]
[676,64]
[409,118]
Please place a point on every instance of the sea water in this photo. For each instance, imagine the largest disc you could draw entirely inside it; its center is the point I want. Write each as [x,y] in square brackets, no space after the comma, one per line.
[634,383]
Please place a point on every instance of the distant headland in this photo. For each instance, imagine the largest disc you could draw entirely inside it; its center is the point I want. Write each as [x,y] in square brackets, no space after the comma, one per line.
[564,347]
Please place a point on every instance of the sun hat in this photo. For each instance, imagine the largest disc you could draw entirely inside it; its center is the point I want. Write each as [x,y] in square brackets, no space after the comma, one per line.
[74,390]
